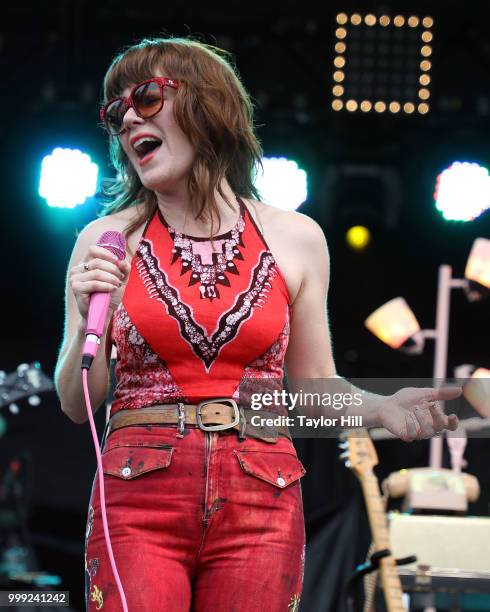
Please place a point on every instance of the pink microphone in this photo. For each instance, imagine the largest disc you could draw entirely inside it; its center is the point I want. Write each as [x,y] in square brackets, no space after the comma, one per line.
[99,301]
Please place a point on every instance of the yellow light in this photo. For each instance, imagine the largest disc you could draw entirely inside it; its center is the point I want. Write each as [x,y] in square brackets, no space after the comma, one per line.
[337,105]
[427,22]
[408,107]
[424,79]
[477,391]
[393,323]
[423,108]
[339,61]
[340,47]
[478,264]
[425,65]
[413,21]
[351,105]
[341,33]
[380,107]
[384,20]
[342,18]
[366,106]
[338,76]
[427,36]
[426,50]
[370,20]
[337,90]
[358,237]
[424,94]
[356,19]
[394,107]
[399,21]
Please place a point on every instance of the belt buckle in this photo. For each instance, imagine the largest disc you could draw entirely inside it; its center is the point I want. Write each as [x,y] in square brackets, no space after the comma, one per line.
[219,427]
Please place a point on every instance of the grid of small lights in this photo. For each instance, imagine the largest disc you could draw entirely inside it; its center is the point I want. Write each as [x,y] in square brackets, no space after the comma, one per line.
[382,64]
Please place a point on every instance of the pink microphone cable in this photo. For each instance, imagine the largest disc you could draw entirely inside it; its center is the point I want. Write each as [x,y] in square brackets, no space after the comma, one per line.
[97,315]
[100,470]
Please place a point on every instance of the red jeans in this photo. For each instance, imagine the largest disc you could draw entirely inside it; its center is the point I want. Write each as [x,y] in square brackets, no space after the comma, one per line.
[206,523]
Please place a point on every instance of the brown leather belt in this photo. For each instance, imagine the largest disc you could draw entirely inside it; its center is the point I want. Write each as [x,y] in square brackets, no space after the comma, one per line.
[210,415]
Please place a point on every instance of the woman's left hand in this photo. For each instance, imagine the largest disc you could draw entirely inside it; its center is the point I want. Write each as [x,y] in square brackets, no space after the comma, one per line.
[414,413]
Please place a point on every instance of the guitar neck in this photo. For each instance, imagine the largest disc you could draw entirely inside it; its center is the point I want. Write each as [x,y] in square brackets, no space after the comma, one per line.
[390,579]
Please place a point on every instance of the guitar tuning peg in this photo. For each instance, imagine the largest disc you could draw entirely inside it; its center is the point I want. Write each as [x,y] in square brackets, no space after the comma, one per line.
[344,455]
[22,368]
[344,444]
[14,409]
[348,464]
[34,400]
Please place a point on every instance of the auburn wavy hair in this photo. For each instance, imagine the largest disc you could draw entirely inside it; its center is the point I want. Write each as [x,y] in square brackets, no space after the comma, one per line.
[211,107]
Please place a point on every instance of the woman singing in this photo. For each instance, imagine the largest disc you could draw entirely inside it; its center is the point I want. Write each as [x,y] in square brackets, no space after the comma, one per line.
[217,289]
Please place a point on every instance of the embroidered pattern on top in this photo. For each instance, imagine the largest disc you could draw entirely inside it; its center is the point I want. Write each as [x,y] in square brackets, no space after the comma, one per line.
[207,348]
[208,261]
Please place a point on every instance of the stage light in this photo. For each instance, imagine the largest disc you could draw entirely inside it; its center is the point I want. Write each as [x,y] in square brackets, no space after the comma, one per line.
[393,323]
[363,46]
[68,178]
[351,105]
[282,183]
[427,22]
[380,107]
[358,237]
[337,105]
[477,391]
[462,191]
[478,264]
[423,108]
[337,90]
[366,106]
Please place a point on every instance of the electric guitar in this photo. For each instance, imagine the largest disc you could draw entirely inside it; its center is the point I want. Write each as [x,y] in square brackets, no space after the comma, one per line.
[361,457]
[27,381]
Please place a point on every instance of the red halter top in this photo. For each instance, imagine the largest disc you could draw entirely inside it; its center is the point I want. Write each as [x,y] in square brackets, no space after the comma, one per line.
[198,318]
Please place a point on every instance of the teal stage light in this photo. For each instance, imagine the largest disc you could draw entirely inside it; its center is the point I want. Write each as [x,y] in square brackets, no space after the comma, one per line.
[68,178]
[463,191]
[283,183]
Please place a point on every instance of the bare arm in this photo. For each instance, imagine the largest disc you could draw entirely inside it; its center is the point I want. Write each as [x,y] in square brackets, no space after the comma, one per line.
[105,273]
[409,413]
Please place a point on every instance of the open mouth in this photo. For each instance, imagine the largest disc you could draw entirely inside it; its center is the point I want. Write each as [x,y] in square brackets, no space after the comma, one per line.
[146,145]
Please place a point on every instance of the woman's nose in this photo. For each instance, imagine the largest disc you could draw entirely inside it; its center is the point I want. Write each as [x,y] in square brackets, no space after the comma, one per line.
[131,118]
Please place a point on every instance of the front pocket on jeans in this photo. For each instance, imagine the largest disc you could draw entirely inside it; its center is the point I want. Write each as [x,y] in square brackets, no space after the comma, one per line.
[277,468]
[129,462]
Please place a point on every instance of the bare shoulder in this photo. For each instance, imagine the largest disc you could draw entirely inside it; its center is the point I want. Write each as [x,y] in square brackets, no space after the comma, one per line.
[117,222]
[291,225]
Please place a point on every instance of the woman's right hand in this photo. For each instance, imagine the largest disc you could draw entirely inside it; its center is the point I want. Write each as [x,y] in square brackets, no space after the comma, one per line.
[102,271]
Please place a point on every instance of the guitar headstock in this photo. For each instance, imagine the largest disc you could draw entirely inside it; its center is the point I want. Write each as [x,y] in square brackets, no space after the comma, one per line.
[27,381]
[358,451]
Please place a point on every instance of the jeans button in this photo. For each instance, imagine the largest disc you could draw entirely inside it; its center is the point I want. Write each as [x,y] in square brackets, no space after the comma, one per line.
[126,472]
[281,482]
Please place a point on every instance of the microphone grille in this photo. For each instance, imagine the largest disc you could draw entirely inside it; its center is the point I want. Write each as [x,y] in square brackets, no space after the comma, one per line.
[114,242]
